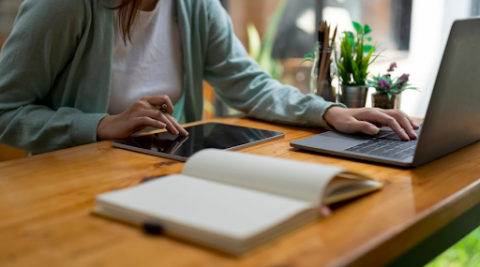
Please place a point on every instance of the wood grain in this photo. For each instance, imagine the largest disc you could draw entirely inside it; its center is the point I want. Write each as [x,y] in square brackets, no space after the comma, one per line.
[9,153]
[45,204]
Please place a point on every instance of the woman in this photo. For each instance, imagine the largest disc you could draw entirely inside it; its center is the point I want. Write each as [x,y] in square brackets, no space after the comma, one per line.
[78,71]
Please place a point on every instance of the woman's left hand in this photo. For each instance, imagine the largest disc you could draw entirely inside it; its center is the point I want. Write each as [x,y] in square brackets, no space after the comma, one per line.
[367,120]
[144,113]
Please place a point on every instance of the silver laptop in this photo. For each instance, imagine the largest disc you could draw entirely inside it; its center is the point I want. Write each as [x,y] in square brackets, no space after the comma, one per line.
[452,120]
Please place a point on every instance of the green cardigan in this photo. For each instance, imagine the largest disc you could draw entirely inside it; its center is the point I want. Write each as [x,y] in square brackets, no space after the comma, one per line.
[55,72]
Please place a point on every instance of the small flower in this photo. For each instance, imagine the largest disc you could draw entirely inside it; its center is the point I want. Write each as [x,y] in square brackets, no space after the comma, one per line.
[404,79]
[392,67]
[383,84]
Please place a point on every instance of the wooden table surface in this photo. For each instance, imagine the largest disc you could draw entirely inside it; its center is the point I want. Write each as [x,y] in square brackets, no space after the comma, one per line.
[45,204]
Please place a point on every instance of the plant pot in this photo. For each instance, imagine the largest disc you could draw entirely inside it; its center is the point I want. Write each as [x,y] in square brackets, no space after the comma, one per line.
[354,96]
[380,100]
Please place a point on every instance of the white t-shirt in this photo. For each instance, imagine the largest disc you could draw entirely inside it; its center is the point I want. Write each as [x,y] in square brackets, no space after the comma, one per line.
[151,63]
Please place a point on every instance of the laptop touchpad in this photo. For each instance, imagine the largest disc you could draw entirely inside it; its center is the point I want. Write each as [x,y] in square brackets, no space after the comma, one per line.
[336,141]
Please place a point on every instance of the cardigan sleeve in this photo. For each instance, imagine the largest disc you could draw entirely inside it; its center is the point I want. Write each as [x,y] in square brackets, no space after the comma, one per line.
[42,44]
[241,84]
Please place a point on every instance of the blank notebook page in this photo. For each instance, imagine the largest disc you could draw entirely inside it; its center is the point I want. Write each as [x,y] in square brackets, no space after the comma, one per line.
[214,207]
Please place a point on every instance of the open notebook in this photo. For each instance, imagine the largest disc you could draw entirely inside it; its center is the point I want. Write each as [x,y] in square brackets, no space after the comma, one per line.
[234,201]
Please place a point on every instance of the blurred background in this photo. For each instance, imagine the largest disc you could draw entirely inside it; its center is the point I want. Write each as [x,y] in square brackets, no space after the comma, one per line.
[412,33]
[279,33]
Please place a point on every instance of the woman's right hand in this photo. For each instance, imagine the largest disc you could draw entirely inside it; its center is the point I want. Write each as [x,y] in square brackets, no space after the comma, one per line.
[143,114]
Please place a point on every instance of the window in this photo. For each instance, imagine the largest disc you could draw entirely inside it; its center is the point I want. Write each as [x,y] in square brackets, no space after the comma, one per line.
[389,19]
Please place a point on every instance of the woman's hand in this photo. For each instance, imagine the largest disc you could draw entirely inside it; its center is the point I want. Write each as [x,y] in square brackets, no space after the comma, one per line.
[367,120]
[143,114]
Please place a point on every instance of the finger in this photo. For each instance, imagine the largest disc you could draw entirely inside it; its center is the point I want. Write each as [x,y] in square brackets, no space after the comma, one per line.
[159,116]
[390,122]
[154,114]
[139,122]
[180,129]
[325,211]
[414,124]
[159,100]
[169,124]
[139,105]
[366,127]
[139,129]
[378,124]
[404,122]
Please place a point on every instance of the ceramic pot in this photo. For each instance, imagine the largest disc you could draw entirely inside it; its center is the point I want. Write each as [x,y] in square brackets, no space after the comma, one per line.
[380,100]
[354,96]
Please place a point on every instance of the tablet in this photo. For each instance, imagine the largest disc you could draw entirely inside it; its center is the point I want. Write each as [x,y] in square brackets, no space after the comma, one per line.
[207,135]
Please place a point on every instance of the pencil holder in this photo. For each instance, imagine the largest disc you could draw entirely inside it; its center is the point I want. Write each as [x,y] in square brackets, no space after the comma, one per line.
[323,72]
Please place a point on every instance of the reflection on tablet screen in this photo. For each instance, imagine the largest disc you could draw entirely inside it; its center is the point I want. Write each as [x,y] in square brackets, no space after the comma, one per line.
[208,135]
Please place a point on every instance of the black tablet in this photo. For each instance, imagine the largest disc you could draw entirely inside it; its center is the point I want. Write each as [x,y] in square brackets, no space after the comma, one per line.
[207,135]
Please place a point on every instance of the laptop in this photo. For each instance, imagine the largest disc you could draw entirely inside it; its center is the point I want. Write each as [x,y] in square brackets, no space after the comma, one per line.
[452,120]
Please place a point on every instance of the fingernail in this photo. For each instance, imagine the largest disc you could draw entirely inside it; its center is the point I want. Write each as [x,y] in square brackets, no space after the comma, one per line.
[176,132]
[375,130]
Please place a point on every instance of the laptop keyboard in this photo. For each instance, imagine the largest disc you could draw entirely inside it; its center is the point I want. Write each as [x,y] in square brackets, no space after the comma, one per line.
[387,144]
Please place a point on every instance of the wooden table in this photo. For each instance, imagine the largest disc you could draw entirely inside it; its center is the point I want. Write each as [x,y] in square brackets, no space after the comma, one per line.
[45,204]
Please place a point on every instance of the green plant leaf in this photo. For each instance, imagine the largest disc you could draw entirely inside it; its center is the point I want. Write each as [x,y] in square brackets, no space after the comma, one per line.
[346,53]
[367,29]
[371,61]
[348,58]
[277,70]
[356,73]
[254,43]
[352,41]
[357,27]
[309,55]
[369,39]
[395,91]
[355,57]
[396,83]
[343,73]
[262,51]
[271,31]
[305,60]
[368,48]
[359,53]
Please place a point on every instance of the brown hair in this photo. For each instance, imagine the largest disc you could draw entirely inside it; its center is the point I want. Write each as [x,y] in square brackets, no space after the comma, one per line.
[126,17]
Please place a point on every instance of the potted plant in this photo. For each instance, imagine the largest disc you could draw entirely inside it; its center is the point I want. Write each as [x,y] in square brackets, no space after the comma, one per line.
[388,90]
[353,63]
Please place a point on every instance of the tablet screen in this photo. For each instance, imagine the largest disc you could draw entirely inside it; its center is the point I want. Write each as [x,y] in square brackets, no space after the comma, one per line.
[208,135]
